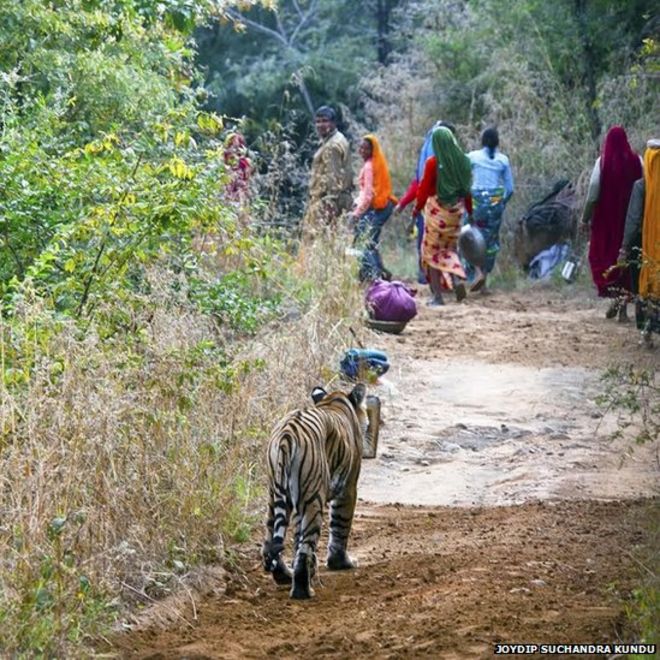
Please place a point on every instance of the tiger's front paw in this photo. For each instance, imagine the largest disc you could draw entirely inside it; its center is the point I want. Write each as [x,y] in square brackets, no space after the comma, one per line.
[338,560]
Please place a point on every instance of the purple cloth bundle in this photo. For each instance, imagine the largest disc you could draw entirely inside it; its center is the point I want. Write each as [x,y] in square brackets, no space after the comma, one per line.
[390,301]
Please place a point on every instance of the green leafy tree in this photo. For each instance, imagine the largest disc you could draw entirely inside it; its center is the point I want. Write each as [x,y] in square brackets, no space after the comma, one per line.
[107,162]
[312,50]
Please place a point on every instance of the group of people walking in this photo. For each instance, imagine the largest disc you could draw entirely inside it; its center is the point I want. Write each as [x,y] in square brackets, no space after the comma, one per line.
[622,218]
[448,188]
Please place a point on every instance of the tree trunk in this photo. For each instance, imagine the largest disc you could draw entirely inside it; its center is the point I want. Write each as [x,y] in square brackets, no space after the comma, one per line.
[305,94]
[580,9]
[383,9]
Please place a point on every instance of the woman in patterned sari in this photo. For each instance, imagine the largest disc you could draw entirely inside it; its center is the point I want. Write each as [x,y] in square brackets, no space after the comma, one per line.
[492,186]
[444,195]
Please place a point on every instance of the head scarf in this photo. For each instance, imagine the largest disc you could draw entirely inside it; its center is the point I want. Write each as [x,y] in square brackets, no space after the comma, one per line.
[649,278]
[619,169]
[382,183]
[454,169]
[618,160]
[427,148]
[326,112]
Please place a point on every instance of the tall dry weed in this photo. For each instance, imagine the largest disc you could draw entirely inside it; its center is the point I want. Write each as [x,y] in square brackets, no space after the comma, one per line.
[126,461]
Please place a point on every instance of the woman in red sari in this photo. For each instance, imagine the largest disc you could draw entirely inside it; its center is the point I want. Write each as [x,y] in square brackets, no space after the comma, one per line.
[612,179]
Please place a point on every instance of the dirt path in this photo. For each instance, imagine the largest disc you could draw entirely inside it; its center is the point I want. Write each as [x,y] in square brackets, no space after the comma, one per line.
[493,402]
[528,514]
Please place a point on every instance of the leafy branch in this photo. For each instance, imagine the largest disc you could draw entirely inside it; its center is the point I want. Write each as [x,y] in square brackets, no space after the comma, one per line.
[286,38]
[635,394]
[102,246]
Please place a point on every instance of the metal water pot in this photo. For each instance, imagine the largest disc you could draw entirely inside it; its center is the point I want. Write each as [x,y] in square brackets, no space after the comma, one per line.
[571,267]
[472,245]
[370,444]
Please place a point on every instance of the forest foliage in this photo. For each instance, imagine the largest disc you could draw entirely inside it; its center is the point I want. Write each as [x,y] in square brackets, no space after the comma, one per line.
[151,328]
[108,161]
[552,76]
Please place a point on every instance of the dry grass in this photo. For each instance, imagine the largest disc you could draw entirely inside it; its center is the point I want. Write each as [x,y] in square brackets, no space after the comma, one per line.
[125,462]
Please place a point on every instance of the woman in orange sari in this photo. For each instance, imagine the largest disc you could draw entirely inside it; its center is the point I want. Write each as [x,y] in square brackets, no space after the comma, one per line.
[373,207]
[444,194]
[641,243]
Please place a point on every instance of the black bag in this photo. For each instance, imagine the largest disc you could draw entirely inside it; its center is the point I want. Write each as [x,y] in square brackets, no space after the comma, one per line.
[547,222]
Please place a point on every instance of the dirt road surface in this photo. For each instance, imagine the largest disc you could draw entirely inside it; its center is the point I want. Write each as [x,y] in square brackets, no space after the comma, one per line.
[498,509]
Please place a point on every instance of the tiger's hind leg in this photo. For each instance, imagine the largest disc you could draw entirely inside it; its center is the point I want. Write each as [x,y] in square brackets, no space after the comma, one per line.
[304,565]
[341,519]
[279,511]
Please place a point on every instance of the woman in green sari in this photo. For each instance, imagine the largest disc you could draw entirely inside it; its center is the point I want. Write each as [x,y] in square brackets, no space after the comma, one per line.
[444,195]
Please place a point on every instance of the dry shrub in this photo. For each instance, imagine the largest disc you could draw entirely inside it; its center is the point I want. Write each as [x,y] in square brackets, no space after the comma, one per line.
[125,462]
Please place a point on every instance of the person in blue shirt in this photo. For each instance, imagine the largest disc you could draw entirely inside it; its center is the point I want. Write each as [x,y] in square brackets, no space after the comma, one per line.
[492,187]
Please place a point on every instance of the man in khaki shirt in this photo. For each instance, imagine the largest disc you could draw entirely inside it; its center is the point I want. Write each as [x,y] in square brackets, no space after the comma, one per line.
[331,177]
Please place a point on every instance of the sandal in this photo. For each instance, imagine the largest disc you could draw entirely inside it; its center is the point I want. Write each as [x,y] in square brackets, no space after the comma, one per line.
[477,285]
[460,292]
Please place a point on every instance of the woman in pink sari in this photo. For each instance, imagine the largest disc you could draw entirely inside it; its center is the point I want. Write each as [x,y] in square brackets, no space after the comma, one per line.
[612,179]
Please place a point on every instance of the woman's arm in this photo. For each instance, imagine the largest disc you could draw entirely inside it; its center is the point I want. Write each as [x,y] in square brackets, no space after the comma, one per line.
[632,231]
[593,193]
[468,203]
[508,181]
[408,196]
[427,185]
[366,180]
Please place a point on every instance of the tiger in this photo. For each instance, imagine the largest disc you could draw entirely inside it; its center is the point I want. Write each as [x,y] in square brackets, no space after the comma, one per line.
[314,457]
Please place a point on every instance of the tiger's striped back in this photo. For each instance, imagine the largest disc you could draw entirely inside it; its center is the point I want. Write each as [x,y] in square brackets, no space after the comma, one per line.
[314,457]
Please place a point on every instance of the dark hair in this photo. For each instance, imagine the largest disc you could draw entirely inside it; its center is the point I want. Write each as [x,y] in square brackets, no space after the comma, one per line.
[446,124]
[326,112]
[491,140]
